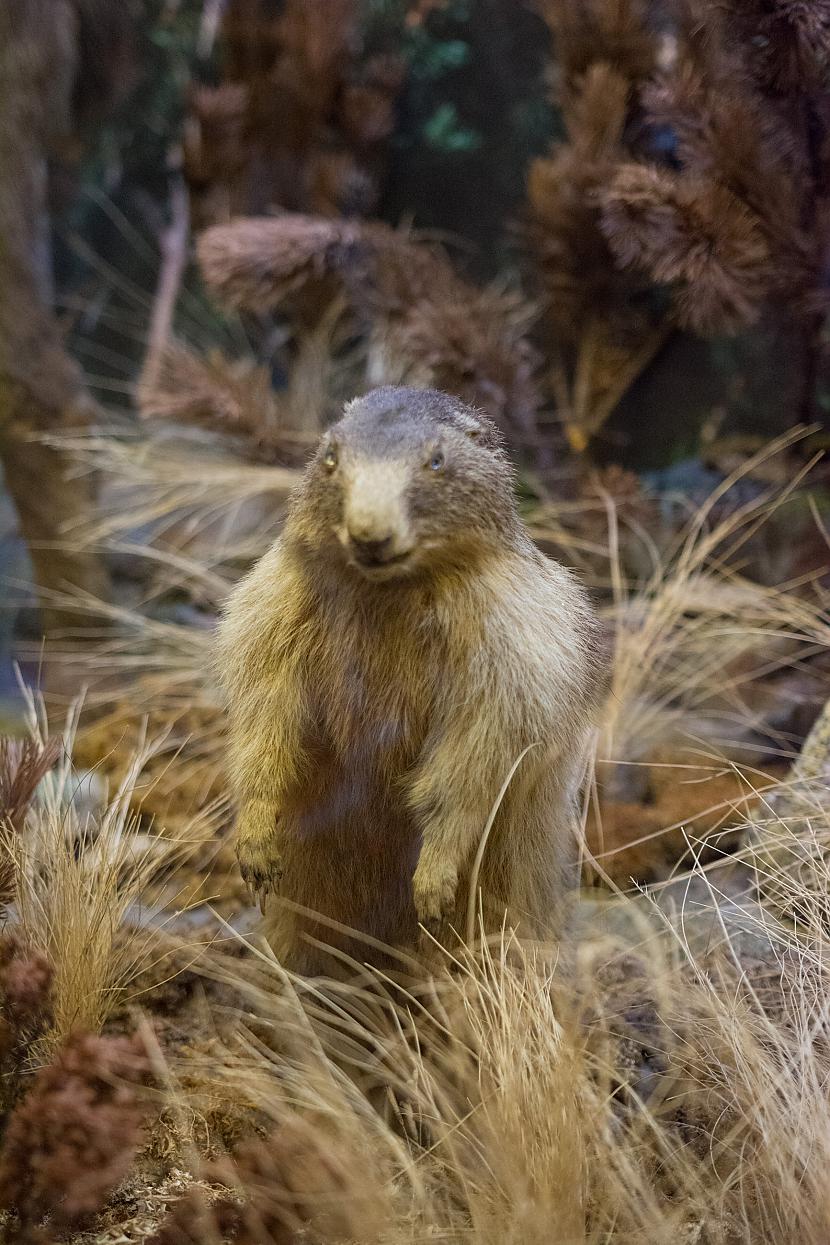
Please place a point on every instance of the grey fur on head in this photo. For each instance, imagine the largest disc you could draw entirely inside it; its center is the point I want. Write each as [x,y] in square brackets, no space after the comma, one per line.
[397,408]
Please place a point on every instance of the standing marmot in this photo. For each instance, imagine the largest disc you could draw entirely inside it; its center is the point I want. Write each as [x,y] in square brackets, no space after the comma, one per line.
[387,661]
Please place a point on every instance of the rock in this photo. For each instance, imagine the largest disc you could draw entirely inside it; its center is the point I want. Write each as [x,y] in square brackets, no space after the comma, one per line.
[84,791]
[789,840]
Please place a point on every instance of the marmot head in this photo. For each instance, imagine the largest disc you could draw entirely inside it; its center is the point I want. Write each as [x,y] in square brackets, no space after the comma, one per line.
[408,481]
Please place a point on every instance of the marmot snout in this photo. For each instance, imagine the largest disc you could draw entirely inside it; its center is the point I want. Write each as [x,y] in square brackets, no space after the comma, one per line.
[387,662]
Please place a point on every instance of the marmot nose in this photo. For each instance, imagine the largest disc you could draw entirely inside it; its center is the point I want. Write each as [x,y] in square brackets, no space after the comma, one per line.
[372,552]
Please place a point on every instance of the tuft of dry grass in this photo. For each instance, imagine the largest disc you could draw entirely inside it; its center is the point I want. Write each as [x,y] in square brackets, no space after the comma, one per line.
[181,494]
[624,1096]
[81,878]
[693,641]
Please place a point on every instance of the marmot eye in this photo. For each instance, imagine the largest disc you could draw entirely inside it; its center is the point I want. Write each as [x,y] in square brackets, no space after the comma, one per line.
[330,458]
[436,462]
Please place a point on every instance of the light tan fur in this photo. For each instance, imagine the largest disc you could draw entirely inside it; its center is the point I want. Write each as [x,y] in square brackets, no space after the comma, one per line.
[374,717]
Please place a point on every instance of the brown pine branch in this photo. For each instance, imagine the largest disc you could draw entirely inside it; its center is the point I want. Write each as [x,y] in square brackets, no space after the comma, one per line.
[424,323]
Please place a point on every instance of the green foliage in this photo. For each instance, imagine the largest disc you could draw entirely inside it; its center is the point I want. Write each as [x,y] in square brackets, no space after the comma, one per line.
[429,58]
[434,50]
[444,131]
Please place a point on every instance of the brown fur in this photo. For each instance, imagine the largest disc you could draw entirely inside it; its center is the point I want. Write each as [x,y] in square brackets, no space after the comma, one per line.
[377,710]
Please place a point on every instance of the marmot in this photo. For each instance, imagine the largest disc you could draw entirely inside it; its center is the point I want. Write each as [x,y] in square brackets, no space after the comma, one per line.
[387,662]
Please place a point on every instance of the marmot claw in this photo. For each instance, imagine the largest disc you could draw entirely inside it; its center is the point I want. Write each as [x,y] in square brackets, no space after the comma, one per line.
[434,897]
[261,872]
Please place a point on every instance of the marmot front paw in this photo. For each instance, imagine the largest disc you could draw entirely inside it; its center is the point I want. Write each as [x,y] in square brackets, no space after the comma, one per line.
[433,890]
[260,865]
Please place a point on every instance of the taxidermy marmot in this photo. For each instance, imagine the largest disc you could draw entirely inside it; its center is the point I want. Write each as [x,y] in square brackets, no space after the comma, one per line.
[386,663]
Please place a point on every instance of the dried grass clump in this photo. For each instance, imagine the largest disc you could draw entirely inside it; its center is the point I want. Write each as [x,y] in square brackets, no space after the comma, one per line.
[333,1165]
[79,879]
[647,1096]
[694,639]
[182,510]
[575,530]
[178,778]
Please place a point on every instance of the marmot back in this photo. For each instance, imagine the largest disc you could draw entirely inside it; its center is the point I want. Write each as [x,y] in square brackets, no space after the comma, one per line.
[387,662]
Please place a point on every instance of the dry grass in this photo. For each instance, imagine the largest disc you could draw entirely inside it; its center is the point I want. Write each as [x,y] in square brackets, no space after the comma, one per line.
[631,1087]
[82,879]
[628,1098]
[636,1086]
[181,493]
[695,639]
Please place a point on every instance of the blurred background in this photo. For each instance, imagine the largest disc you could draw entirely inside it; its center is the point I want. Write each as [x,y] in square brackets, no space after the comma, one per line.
[604,221]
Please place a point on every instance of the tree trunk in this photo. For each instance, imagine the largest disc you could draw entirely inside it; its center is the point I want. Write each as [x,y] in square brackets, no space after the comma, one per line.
[41,388]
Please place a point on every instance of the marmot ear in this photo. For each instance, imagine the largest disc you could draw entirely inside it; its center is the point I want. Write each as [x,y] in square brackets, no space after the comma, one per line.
[485,434]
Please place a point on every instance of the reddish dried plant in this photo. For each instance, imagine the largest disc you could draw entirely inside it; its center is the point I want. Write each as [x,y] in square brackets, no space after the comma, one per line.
[23,764]
[693,233]
[603,330]
[25,1010]
[230,395]
[72,1139]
